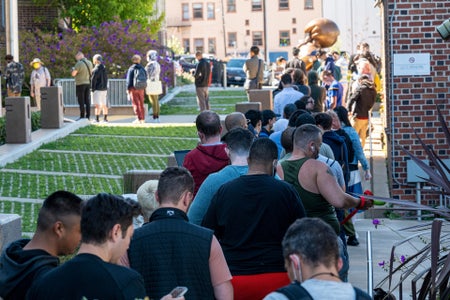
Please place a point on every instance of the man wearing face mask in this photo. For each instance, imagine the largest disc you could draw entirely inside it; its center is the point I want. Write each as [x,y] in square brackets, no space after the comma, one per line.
[249,216]
[40,77]
[311,254]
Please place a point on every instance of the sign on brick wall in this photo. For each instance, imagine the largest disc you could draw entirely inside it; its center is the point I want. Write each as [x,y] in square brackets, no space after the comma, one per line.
[412,64]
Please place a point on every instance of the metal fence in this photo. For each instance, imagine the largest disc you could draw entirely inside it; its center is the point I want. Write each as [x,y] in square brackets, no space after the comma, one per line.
[116,96]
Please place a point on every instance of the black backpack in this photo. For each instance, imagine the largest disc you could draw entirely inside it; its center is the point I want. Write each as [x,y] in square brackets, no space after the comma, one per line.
[295,291]
[349,143]
[140,78]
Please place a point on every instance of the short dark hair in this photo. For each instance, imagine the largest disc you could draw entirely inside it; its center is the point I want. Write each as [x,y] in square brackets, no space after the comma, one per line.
[314,240]
[305,134]
[57,206]
[262,151]
[255,50]
[267,115]
[289,110]
[254,116]
[295,115]
[305,119]
[9,57]
[295,51]
[286,78]
[287,139]
[324,120]
[208,123]
[173,182]
[239,140]
[102,212]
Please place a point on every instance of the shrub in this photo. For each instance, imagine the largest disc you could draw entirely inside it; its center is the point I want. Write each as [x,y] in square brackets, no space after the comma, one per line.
[116,41]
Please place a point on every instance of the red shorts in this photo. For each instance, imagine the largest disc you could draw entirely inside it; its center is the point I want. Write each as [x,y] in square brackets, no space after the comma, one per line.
[257,286]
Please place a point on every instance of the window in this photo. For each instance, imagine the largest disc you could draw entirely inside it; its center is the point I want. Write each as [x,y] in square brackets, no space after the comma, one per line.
[197,10]
[247,22]
[283,4]
[257,38]
[285,38]
[294,30]
[294,21]
[185,8]
[231,5]
[187,45]
[212,45]
[211,14]
[247,32]
[309,4]
[232,36]
[256,5]
[199,46]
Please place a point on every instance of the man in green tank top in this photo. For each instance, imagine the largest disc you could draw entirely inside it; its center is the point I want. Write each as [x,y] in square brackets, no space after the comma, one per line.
[314,180]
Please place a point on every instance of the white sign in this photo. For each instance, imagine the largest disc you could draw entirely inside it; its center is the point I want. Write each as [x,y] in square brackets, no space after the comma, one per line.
[412,64]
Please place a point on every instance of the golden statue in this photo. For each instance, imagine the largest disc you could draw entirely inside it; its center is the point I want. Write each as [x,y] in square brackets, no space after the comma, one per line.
[321,33]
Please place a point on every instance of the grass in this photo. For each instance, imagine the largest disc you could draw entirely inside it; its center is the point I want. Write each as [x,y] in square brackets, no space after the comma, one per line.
[221,101]
[130,148]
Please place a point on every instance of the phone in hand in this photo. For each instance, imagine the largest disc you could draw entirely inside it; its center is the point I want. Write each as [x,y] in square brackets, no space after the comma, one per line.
[178,291]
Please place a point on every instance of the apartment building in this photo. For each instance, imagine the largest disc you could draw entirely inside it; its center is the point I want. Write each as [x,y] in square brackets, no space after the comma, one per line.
[228,28]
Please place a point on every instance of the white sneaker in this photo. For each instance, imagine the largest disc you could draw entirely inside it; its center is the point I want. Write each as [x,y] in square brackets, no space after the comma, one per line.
[137,121]
[142,121]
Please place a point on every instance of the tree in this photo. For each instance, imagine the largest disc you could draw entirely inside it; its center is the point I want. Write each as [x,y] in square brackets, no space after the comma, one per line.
[82,13]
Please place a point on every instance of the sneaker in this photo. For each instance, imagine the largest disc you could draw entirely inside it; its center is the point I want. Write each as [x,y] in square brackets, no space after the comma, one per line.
[157,120]
[142,121]
[94,121]
[352,241]
[137,121]
[105,121]
[79,118]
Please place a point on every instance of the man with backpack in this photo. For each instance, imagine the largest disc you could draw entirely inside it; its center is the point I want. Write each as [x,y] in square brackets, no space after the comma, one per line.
[136,84]
[311,254]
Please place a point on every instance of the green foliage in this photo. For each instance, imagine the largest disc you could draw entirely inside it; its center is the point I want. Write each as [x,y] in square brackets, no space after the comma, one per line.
[175,44]
[166,131]
[116,41]
[80,13]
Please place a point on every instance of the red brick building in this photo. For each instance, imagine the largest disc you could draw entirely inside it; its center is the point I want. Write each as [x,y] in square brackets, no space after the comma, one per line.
[410,101]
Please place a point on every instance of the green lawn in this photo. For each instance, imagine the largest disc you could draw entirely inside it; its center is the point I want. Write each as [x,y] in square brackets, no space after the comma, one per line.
[221,101]
[91,160]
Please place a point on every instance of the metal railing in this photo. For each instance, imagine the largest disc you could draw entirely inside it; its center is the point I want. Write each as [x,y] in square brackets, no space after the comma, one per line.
[116,92]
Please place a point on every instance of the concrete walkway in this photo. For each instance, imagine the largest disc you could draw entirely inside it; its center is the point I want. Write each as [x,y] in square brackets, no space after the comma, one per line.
[382,238]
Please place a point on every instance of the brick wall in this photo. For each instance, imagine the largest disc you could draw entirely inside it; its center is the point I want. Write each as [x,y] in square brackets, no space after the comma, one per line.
[410,27]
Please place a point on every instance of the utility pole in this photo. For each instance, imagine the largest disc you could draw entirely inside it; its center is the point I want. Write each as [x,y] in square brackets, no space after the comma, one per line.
[11,28]
[266,34]
[223,29]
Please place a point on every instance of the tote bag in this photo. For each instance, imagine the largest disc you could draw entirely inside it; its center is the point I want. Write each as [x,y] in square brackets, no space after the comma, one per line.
[154,87]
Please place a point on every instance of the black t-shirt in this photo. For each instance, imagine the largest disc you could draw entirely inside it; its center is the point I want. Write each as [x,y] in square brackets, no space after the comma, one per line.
[88,276]
[250,216]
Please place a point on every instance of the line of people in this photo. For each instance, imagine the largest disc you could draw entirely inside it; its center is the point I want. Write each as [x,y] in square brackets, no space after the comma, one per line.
[91,84]
[236,253]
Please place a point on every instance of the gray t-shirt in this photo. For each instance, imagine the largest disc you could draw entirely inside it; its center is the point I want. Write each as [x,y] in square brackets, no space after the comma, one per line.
[322,289]
[84,69]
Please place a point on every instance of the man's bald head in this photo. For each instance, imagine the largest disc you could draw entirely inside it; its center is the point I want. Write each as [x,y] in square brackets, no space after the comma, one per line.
[235,120]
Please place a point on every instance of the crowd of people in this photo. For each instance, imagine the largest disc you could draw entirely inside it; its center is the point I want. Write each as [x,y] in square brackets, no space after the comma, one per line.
[91,84]
[255,212]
